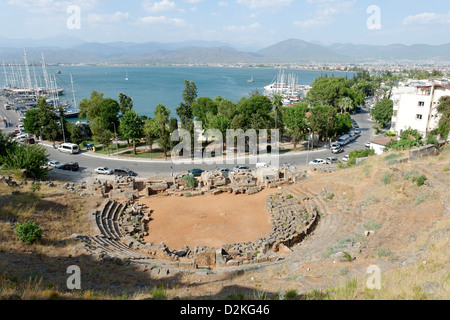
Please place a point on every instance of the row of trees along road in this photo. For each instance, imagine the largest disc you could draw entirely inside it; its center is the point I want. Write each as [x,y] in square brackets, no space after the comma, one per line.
[324,111]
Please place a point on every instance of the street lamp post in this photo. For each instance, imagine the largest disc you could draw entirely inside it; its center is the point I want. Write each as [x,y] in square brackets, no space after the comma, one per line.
[115,137]
[40,137]
[307,152]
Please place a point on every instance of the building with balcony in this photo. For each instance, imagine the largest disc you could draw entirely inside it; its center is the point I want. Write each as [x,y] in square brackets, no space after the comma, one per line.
[415,105]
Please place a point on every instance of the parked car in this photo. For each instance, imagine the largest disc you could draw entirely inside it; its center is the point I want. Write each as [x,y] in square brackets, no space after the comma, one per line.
[53,164]
[262,165]
[335,145]
[104,170]
[338,150]
[70,166]
[368,145]
[358,132]
[345,158]
[241,168]
[196,172]
[124,172]
[30,141]
[223,170]
[331,160]
[317,161]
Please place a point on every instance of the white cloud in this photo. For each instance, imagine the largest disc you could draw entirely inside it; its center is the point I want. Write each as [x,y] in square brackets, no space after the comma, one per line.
[242,28]
[48,7]
[115,17]
[326,12]
[158,6]
[427,18]
[162,20]
[262,4]
[193,1]
[222,3]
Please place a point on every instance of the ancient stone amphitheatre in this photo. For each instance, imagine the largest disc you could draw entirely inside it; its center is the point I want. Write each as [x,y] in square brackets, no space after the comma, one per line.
[261,235]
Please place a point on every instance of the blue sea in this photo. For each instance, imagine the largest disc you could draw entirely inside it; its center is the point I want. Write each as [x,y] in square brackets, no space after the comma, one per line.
[152,85]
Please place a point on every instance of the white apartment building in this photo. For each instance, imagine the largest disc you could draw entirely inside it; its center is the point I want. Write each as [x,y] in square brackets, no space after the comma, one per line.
[415,105]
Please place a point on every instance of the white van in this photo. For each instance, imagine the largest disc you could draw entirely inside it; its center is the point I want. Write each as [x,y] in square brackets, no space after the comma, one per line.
[69,148]
[345,139]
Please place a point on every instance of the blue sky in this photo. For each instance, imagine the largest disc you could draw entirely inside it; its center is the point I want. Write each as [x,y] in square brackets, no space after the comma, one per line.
[241,23]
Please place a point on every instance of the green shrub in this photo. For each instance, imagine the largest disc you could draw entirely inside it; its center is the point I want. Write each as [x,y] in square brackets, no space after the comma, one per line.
[421,180]
[387,178]
[372,225]
[351,162]
[159,293]
[291,295]
[362,153]
[28,232]
[189,181]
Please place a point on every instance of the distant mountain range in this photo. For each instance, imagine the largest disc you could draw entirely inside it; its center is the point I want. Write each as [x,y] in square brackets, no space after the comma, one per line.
[67,50]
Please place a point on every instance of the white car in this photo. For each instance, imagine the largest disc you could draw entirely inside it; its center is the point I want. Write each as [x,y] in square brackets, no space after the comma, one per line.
[345,158]
[53,164]
[104,170]
[317,161]
[241,169]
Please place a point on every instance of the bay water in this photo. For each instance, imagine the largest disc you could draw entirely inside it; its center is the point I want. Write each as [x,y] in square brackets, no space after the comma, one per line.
[149,86]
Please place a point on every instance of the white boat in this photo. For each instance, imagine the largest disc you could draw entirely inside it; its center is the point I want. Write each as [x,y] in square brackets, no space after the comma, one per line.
[251,80]
[287,86]
[126,77]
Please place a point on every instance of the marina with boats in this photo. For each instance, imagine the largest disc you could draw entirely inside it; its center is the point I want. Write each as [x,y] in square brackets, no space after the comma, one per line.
[286,85]
[24,87]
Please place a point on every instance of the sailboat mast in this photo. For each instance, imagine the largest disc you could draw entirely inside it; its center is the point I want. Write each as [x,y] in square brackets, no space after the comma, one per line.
[27,70]
[44,70]
[73,92]
[4,71]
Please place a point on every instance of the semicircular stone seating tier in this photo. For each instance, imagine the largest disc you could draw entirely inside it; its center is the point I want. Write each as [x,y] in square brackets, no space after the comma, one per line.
[107,238]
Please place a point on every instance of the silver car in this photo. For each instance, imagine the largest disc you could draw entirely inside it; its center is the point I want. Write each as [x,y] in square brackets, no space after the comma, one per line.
[104,170]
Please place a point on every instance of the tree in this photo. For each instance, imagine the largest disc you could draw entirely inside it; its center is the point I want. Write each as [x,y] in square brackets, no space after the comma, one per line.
[277,103]
[226,108]
[150,132]
[30,158]
[220,123]
[343,123]
[75,133]
[383,112]
[345,104]
[31,122]
[295,120]
[204,109]
[6,143]
[125,103]
[328,91]
[444,122]
[131,127]
[161,122]
[90,108]
[109,114]
[322,119]
[101,134]
[47,120]
[260,105]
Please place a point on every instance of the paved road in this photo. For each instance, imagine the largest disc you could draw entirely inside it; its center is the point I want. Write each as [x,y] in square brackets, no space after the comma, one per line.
[89,161]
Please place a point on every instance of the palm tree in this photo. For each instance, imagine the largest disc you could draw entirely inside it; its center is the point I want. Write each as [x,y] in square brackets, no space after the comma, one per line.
[345,104]
[277,103]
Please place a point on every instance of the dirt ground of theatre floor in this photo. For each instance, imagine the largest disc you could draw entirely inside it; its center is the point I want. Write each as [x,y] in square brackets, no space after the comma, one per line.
[208,220]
